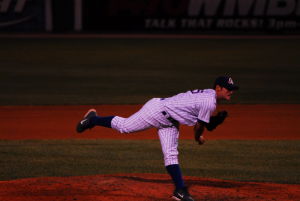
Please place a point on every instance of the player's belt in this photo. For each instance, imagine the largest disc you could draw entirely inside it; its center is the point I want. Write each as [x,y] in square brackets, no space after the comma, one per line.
[173,121]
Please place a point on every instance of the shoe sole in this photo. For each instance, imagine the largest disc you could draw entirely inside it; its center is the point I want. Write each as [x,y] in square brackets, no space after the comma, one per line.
[175,198]
[90,110]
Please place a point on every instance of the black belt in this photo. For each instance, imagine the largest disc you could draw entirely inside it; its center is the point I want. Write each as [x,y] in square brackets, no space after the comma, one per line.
[173,121]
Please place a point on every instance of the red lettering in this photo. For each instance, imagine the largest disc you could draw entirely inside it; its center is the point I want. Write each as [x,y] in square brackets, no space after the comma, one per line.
[148,8]
[127,7]
[175,8]
[152,8]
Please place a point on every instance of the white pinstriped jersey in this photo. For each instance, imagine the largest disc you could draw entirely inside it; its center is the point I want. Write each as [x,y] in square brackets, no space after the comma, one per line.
[189,107]
[186,108]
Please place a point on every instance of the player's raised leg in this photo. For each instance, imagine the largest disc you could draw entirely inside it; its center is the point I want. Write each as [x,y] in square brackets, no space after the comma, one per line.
[131,124]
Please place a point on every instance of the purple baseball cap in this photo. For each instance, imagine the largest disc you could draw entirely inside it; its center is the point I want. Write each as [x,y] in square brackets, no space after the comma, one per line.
[226,82]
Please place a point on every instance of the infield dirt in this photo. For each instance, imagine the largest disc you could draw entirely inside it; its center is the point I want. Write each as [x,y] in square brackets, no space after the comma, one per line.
[260,122]
[140,187]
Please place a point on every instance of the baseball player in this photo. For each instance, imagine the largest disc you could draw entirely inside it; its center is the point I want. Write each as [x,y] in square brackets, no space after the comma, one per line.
[192,108]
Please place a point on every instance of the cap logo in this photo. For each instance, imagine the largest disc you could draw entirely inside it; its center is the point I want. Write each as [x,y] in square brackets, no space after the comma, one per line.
[230,81]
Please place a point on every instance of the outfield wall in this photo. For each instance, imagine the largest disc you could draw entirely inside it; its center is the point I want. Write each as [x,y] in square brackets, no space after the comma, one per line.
[154,16]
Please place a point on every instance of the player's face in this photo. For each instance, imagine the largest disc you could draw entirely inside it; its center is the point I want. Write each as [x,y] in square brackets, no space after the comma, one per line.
[226,93]
[223,93]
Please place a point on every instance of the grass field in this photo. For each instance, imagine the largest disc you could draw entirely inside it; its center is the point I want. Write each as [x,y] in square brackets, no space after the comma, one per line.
[87,71]
[128,71]
[267,161]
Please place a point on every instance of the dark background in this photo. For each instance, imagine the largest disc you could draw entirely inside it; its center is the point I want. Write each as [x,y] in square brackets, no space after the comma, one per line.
[129,16]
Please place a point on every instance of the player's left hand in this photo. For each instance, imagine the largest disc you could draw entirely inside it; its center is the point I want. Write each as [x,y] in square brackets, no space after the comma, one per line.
[216,120]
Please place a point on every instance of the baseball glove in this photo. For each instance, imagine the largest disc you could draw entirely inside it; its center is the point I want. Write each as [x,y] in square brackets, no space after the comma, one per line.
[216,120]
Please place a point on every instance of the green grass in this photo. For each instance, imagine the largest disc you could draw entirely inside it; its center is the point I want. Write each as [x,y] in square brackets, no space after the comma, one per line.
[130,71]
[266,161]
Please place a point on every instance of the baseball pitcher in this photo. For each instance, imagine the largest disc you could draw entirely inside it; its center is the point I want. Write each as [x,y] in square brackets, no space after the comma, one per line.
[192,108]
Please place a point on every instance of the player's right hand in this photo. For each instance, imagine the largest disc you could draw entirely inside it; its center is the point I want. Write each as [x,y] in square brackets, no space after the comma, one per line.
[201,140]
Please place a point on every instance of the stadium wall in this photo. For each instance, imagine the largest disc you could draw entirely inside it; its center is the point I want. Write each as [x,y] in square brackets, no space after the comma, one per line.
[151,16]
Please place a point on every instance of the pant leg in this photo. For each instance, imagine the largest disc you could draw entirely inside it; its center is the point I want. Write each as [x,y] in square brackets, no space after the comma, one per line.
[169,143]
[147,117]
[134,123]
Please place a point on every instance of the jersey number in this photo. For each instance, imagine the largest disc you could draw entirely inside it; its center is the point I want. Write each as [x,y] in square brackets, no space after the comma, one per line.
[195,91]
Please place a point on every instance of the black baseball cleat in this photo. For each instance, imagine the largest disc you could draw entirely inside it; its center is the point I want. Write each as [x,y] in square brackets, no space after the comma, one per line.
[182,195]
[86,123]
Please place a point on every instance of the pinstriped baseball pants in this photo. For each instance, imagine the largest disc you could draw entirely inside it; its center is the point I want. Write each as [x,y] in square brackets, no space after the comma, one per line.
[149,116]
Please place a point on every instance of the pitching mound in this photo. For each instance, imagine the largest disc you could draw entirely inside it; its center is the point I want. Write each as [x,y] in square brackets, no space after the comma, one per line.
[140,187]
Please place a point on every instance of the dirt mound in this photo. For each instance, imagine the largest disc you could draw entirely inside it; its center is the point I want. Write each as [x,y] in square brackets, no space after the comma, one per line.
[140,187]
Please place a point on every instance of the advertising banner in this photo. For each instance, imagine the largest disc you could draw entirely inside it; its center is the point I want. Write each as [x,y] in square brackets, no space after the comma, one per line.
[150,16]
[192,15]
